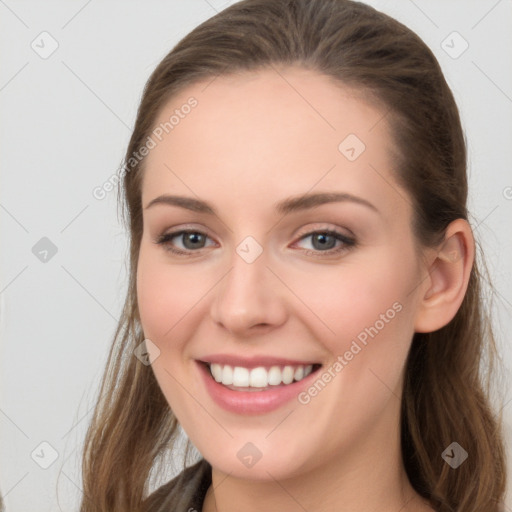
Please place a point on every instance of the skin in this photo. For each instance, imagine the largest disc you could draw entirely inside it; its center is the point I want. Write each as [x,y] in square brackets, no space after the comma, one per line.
[253,140]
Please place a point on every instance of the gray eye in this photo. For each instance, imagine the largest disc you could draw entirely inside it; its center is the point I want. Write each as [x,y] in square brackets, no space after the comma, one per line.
[193,240]
[323,241]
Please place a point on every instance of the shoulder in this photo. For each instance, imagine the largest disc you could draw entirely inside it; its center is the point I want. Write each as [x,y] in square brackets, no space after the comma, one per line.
[185,491]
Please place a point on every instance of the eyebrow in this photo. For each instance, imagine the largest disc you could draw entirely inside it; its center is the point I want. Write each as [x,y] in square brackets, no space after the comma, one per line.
[292,204]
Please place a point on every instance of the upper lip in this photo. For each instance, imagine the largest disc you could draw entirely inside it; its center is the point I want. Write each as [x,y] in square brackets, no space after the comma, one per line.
[253,362]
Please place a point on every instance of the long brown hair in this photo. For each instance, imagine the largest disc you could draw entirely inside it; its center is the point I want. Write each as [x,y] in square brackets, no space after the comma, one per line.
[445,396]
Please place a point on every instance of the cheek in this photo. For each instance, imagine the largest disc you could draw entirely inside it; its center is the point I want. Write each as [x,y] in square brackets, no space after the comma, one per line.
[367,319]
[366,308]
[348,300]
[374,322]
[168,305]
[168,296]
[156,307]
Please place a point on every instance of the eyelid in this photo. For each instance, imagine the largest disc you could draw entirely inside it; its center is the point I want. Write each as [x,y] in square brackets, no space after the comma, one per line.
[325,227]
[178,229]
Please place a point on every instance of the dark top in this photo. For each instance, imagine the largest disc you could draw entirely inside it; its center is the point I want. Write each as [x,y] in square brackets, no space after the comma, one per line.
[184,493]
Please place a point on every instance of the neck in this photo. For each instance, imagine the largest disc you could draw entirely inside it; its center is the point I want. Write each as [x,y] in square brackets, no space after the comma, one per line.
[367,477]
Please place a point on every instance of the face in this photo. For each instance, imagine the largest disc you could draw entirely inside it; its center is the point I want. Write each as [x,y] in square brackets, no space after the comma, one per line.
[248,267]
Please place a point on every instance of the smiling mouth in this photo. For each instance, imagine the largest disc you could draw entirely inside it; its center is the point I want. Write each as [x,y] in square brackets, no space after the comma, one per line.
[261,378]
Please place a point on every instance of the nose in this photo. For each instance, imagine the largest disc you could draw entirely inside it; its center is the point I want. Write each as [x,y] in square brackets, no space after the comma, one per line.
[249,299]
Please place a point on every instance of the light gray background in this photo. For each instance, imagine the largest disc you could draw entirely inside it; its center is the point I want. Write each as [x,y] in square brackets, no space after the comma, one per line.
[65,123]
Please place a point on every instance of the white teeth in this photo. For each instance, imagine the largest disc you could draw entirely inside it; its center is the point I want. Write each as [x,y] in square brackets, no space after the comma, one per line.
[227,375]
[216,370]
[240,377]
[288,374]
[274,376]
[259,377]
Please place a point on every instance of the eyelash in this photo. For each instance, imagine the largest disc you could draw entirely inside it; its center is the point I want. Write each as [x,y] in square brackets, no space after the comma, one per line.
[348,243]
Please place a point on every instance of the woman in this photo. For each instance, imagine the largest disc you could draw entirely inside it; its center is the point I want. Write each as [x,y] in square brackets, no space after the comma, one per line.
[304,299]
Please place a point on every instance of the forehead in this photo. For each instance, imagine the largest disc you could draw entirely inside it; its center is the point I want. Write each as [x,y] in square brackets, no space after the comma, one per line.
[280,131]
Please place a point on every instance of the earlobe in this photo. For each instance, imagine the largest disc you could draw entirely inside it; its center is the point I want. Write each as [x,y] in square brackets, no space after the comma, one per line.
[448,278]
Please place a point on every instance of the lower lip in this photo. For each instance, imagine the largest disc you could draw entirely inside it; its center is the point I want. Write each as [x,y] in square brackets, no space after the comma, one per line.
[251,402]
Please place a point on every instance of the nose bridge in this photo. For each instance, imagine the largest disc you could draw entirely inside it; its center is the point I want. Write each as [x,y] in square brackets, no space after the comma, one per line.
[248,296]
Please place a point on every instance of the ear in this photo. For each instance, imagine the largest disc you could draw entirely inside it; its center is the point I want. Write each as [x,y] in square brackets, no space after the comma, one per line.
[449,269]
